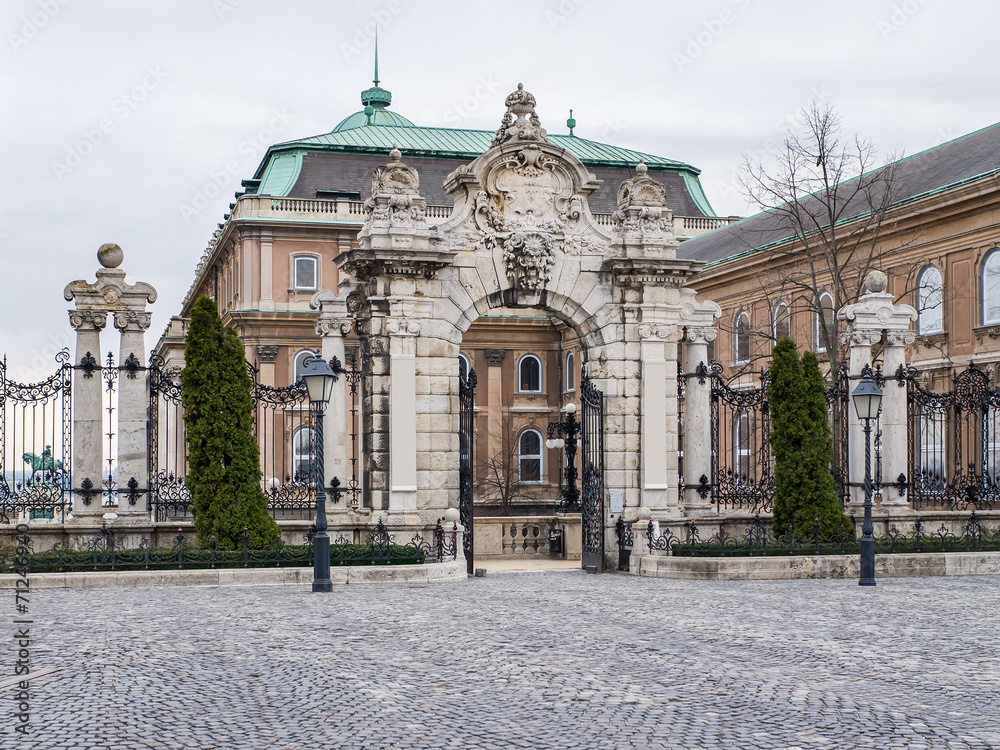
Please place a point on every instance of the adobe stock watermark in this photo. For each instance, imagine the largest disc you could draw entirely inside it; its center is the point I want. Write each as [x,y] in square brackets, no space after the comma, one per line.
[465,108]
[22,630]
[223,8]
[250,148]
[32,25]
[712,29]
[364,35]
[899,16]
[782,126]
[561,13]
[121,107]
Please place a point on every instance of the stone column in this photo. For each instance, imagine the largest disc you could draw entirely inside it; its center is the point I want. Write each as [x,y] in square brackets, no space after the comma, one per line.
[267,356]
[402,415]
[333,324]
[133,405]
[88,411]
[874,318]
[697,421]
[654,396]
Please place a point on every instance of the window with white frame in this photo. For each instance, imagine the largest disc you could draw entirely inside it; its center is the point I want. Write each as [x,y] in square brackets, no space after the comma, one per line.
[302,450]
[931,433]
[741,447]
[570,372]
[529,374]
[529,457]
[930,302]
[305,272]
[990,283]
[825,319]
[781,322]
[741,339]
[302,359]
[464,367]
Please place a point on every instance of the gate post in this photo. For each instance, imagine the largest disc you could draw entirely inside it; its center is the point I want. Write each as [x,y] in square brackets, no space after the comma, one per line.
[873,319]
[110,294]
[333,324]
[697,420]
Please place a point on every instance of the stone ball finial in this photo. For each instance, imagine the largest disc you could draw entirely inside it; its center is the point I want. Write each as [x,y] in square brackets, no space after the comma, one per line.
[110,255]
[876,282]
[641,168]
[395,155]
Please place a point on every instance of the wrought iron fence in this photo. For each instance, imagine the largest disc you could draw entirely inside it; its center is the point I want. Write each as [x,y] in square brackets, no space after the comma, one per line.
[954,443]
[36,452]
[758,540]
[626,541]
[106,552]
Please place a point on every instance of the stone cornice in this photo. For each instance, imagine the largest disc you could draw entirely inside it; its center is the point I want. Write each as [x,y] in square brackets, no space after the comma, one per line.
[673,272]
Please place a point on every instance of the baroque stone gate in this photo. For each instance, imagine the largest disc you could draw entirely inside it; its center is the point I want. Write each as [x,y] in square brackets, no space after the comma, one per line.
[521,236]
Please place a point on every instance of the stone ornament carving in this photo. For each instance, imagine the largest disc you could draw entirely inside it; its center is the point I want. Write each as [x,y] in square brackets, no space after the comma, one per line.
[110,293]
[528,260]
[494,357]
[520,123]
[647,331]
[402,327]
[395,199]
[267,353]
[88,319]
[900,338]
[130,320]
[695,335]
[875,312]
[334,326]
[861,337]
[642,207]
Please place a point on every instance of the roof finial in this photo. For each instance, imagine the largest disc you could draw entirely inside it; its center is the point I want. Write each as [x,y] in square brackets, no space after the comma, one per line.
[375,80]
[571,123]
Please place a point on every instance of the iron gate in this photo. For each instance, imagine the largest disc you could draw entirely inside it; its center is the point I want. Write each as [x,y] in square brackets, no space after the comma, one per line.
[954,437]
[36,424]
[742,475]
[466,434]
[592,495]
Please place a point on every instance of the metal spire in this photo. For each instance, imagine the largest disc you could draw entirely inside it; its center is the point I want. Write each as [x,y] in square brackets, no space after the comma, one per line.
[376,56]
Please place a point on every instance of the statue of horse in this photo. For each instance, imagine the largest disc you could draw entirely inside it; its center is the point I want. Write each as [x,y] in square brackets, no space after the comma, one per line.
[44,463]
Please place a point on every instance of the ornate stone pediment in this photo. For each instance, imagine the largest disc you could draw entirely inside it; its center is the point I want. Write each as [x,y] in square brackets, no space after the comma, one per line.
[642,216]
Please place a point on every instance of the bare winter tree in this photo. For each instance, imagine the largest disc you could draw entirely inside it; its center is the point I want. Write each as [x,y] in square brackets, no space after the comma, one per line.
[826,201]
[498,475]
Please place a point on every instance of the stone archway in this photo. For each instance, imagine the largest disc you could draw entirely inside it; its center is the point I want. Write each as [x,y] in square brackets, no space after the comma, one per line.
[521,235]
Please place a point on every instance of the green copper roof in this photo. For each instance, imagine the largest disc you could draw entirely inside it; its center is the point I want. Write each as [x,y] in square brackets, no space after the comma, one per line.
[463,144]
[379,117]
[281,173]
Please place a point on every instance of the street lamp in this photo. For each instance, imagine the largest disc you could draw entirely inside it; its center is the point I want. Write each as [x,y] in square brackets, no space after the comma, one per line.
[319,380]
[867,399]
[569,432]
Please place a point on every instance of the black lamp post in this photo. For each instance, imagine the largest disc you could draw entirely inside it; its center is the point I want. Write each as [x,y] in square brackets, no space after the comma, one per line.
[867,399]
[319,380]
[569,432]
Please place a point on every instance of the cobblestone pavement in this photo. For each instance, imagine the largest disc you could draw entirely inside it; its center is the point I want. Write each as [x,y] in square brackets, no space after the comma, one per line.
[519,660]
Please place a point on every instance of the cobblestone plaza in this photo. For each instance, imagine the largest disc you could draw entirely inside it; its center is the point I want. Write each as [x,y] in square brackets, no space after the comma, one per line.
[556,659]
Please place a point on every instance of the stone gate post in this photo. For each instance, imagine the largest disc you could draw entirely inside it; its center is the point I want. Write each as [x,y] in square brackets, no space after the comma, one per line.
[874,319]
[333,324]
[88,411]
[698,418]
[133,404]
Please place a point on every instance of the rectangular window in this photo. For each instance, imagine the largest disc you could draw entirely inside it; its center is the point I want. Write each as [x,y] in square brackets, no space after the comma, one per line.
[305,273]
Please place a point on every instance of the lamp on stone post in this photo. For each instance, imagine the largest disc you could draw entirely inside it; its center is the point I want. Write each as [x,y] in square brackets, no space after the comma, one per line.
[569,432]
[319,380]
[867,399]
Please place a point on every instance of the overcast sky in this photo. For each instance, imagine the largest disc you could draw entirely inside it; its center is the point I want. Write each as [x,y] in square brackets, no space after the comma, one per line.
[120,114]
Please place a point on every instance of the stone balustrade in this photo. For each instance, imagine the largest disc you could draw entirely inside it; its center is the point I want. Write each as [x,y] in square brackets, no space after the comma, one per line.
[526,536]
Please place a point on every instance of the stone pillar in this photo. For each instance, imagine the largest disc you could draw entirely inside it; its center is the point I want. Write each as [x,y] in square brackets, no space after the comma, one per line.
[110,293]
[494,399]
[697,421]
[266,274]
[895,442]
[402,414]
[333,324]
[133,405]
[872,319]
[88,411]
[654,396]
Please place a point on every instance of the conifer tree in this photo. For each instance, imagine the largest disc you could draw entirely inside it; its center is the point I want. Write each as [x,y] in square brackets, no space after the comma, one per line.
[224,473]
[804,488]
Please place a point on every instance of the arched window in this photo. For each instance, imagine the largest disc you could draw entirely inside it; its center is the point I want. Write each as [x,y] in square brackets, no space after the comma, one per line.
[464,366]
[991,287]
[529,374]
[529,457]
[570,372]
[304,272]
[930,301]
[741,339]
[825,319]
[302,448]
[781,322]
[741,447]
[299,363]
